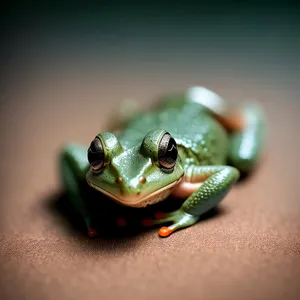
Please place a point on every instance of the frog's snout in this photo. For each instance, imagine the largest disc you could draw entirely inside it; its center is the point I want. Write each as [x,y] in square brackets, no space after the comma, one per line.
[135,193]
[133,188]
[129,189]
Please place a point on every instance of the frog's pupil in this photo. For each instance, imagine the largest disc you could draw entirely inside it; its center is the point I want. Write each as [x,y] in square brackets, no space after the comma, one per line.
[172,150]
[96,154]
[167,152]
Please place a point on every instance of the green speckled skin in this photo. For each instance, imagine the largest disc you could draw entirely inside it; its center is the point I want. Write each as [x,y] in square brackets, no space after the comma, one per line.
[208,155]
[201,139]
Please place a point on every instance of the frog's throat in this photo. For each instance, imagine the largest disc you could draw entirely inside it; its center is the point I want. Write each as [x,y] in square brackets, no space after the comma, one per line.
[149,199]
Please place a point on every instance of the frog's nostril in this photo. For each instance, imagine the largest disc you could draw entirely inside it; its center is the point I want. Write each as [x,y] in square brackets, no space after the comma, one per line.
[119,180]
[142,179]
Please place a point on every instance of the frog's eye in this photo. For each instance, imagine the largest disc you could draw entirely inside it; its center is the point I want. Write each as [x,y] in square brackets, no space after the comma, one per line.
[167,151]
[96,154]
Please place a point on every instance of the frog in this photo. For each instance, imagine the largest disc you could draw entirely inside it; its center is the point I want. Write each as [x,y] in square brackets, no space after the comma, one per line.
[194,146]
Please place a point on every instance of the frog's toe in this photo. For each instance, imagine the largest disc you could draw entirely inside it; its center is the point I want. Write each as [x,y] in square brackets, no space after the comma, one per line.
[159,218]
[181,220]
[165,231]
[92,233]
[178,218]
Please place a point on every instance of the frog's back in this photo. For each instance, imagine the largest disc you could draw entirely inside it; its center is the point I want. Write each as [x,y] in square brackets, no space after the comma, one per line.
[200,138]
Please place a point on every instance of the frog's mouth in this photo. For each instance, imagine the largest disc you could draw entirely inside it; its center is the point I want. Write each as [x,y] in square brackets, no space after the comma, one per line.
[139,201]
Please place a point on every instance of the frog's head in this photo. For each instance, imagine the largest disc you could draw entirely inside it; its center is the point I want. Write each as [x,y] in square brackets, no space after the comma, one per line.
[135,176]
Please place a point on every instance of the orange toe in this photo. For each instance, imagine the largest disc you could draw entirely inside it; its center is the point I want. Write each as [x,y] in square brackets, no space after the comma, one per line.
[165,231]
[147,222]
[92,232]
[121,222]
[160,215]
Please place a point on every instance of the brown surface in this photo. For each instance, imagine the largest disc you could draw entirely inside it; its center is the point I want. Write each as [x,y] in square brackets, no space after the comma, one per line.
[251,250]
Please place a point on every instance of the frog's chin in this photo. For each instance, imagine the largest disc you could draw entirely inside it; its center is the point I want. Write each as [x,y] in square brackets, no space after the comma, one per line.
[139,201]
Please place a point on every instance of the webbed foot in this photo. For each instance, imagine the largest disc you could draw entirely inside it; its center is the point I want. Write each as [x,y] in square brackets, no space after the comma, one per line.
[178,218]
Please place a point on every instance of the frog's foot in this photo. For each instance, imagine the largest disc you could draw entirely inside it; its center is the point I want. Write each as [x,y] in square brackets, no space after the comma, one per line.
[178,218]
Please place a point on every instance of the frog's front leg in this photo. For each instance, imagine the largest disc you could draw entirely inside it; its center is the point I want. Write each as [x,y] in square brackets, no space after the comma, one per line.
[214,182]
[74,165]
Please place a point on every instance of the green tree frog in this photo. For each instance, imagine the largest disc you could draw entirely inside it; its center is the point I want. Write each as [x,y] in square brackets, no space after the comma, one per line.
[193,146]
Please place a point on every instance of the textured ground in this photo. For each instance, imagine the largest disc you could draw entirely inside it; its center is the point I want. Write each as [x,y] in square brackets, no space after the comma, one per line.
[249,250]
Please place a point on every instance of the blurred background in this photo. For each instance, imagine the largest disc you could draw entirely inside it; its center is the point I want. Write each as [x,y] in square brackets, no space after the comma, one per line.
[67,66]
[66,63]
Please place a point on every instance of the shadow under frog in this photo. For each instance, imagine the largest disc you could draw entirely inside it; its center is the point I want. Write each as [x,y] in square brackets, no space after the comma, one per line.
[112,220]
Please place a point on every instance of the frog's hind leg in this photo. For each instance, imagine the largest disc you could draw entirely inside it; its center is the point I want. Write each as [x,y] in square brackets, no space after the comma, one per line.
[246,126]
[246,144]
[215,181]
[73,167]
